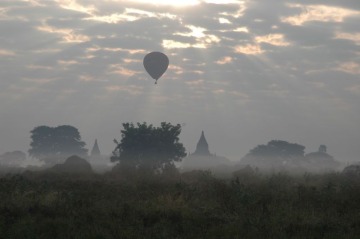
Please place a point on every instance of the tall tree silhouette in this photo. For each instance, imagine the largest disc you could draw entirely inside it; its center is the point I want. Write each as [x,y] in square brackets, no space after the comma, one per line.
[275,152]
[61,141]
[146,146]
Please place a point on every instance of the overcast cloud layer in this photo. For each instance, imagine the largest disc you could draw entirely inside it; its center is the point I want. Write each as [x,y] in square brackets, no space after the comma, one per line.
[245,72]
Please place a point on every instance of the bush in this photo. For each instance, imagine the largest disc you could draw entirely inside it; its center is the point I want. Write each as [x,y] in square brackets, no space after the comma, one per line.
[191,205]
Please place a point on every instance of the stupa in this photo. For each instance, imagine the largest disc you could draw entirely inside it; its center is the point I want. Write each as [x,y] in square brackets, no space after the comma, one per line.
[202,158]
[95,152]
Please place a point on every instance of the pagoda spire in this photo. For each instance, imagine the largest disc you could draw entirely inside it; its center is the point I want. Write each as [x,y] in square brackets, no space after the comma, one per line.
[95,150]
[202,147]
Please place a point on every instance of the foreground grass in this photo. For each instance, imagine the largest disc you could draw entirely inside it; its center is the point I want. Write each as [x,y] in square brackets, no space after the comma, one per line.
[193,205]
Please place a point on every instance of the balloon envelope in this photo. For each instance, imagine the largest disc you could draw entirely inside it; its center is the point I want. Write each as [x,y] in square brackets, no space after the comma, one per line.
[156,63]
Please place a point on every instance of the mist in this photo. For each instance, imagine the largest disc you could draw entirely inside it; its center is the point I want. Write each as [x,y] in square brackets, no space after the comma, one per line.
[53,147]
[179,119]
[245,75]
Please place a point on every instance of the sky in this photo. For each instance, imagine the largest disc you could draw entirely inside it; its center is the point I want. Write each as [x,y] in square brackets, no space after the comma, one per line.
[246,72]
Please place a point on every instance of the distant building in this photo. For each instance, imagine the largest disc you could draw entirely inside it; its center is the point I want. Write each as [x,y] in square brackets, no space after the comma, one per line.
[202,147]
[202,158]
[321,159]
[100,163]
[95,152]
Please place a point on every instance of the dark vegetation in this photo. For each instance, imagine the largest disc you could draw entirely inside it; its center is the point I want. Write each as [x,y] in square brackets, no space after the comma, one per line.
[144,146]
[145,196]
[282,155]
[189,205]
[53,144]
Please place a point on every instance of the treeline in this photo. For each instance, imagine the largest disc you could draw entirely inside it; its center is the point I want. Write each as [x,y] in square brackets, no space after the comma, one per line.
[279,154]
[143,145]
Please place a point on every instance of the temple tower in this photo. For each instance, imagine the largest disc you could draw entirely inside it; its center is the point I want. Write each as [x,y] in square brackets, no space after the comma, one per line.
[202,158]
[95,152]
[202,147]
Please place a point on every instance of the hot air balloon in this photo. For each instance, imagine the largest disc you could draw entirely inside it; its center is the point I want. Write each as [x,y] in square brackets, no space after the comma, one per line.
[156,63]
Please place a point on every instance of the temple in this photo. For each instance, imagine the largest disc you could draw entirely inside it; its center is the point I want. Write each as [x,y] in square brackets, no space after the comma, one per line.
[99,162]
[202,158]
[202,147]
[95,152]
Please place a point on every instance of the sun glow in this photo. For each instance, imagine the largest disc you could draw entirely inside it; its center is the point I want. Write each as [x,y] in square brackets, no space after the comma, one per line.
[185,3]
[176,3]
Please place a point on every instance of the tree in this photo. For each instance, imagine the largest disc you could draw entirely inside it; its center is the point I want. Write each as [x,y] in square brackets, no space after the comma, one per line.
[145,146]
[275,153]
[61,141]
[322,149]
[321,159]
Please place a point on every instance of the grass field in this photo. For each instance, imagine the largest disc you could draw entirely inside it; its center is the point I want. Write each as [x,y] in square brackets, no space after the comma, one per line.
[190,205]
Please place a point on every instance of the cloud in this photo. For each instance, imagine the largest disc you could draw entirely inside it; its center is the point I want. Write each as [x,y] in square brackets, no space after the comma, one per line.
[224,60]
[76,6]
[322,13]
[354,37]
[4,52]
[350,67]
[201,39]
[354,89]
[67,35]
[38,80]
[176,3]
[131,89]
[119,69]
[272,61]
[273,39]
[249,49]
